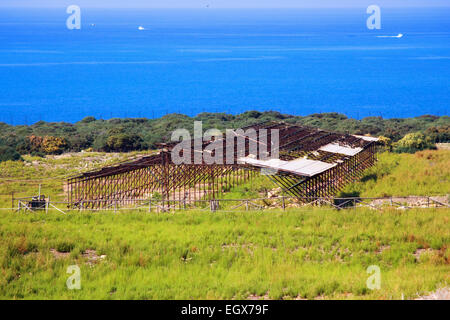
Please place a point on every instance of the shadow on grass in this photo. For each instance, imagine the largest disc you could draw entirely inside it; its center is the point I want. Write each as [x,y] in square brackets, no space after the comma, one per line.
[345,203]
[372,176]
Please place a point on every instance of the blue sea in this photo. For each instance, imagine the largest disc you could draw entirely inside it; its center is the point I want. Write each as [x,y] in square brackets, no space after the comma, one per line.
[298,62]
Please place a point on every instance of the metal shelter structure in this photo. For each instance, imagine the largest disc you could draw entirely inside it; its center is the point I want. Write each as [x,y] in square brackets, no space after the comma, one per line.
[310,163]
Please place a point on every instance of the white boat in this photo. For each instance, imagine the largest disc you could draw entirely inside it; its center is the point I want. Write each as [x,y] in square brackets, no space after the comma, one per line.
[141,28]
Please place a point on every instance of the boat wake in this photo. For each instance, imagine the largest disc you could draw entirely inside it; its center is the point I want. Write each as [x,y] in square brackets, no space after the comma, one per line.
[400,35]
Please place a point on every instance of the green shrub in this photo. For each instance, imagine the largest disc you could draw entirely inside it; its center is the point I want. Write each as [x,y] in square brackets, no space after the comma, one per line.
[65,246]
[8,153]
[414,142]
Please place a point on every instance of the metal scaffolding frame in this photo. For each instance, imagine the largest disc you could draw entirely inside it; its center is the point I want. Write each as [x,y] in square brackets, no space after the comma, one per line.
[157,177]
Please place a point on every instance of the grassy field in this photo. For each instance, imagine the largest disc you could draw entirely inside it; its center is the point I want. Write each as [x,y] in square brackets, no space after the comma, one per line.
[299,253]
[315,253]
[424,173]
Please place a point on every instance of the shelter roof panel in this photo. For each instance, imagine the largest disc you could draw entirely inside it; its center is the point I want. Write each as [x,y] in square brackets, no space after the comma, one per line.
[345,150]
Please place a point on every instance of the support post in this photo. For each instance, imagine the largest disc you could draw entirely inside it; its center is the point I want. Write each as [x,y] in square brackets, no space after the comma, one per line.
[46,205]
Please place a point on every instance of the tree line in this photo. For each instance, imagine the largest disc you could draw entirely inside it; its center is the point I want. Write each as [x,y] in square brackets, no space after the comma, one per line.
[134,134]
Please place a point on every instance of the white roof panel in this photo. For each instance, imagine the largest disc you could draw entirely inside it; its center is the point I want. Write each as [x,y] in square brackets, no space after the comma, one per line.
[336,148]
[302,166]
[367,138]
[307,167]
[262,163]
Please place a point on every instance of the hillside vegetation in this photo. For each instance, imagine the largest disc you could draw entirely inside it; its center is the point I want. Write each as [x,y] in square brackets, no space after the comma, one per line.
[123,135]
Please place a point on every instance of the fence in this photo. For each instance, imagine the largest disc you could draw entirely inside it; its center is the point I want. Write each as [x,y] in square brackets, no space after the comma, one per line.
[31,204]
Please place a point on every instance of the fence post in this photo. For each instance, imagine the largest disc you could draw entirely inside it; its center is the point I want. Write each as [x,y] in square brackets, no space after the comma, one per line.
[246,205]
[284,204]
[150,205]
[115,206]
[46,204]
[12,200]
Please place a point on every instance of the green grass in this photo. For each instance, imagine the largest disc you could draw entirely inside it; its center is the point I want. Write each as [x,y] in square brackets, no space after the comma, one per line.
[196,255]
[425,173]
